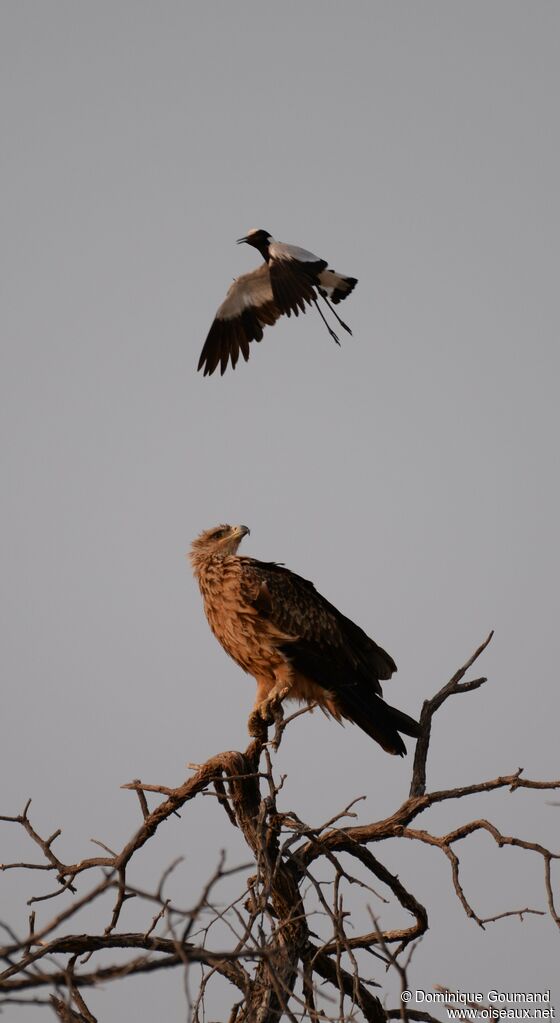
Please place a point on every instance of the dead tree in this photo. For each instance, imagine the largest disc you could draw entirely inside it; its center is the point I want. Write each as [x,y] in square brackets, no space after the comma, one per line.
[274,961]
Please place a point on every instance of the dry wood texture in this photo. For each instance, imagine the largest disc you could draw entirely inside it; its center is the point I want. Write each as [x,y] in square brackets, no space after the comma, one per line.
[275,963]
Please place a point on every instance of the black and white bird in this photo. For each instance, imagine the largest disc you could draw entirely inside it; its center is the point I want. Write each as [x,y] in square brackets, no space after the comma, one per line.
[290,279]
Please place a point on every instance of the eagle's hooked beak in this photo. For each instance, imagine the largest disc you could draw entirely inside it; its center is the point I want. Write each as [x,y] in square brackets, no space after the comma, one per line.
[241,531]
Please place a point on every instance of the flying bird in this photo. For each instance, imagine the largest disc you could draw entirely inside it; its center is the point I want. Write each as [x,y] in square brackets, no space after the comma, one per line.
[296,644]
[290,279]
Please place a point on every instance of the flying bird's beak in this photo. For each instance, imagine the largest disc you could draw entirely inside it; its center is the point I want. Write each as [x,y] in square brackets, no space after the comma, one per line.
[242,531]
[241,240]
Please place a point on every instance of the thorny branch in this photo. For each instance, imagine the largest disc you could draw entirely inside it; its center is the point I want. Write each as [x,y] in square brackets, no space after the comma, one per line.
[283,942]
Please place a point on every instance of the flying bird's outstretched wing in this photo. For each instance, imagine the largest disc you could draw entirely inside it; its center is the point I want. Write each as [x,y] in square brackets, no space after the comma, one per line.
[290,279]
[294,275]
[248,307]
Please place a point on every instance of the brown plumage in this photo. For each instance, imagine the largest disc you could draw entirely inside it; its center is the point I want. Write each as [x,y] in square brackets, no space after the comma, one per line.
[296,644]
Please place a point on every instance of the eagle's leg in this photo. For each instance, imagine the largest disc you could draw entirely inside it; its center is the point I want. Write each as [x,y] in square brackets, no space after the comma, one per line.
[268,704]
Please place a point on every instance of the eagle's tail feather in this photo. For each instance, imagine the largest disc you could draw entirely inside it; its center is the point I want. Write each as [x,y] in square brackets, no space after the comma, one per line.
[381,722]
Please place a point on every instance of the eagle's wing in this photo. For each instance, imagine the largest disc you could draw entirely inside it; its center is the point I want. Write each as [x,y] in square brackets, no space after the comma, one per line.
[326,648]
[294,275]
[248,307]
[324,645]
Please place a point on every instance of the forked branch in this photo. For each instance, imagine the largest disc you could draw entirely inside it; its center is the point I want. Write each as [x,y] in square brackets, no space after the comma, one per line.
[282,939]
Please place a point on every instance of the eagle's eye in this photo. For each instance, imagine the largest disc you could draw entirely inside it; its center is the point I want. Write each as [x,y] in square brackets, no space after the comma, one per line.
[219,534]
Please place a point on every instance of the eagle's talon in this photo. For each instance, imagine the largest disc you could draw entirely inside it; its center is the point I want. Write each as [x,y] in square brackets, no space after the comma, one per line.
[256,727]
[267,712]
[271,710]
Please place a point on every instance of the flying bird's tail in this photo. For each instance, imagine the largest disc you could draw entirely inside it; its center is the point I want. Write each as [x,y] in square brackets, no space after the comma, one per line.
[378,720]
[335,286]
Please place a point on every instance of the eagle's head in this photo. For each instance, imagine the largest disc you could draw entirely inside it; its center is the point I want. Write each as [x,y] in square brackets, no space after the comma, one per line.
[220,541]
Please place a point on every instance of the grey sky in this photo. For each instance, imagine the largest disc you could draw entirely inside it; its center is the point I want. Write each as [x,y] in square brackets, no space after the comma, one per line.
[412,473]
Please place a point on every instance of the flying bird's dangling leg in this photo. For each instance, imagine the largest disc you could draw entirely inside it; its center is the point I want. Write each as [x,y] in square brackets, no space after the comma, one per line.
[327,325]
[334,312]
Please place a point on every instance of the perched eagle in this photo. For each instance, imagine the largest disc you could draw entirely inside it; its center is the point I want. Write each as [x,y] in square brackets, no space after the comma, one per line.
[277,627]
[289,279]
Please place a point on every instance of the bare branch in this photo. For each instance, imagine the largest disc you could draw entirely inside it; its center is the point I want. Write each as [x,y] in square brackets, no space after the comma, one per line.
[452,688]
[287,943]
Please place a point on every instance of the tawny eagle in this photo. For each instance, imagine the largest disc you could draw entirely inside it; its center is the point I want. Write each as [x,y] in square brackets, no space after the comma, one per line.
[289,280]
[296,644]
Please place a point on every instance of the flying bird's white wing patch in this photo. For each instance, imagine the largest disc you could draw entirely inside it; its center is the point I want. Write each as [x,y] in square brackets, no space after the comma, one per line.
[248,307]
[280,250]
[249,290]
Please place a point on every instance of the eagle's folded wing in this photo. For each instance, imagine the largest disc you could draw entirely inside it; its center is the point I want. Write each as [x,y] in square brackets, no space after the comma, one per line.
[324,645]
